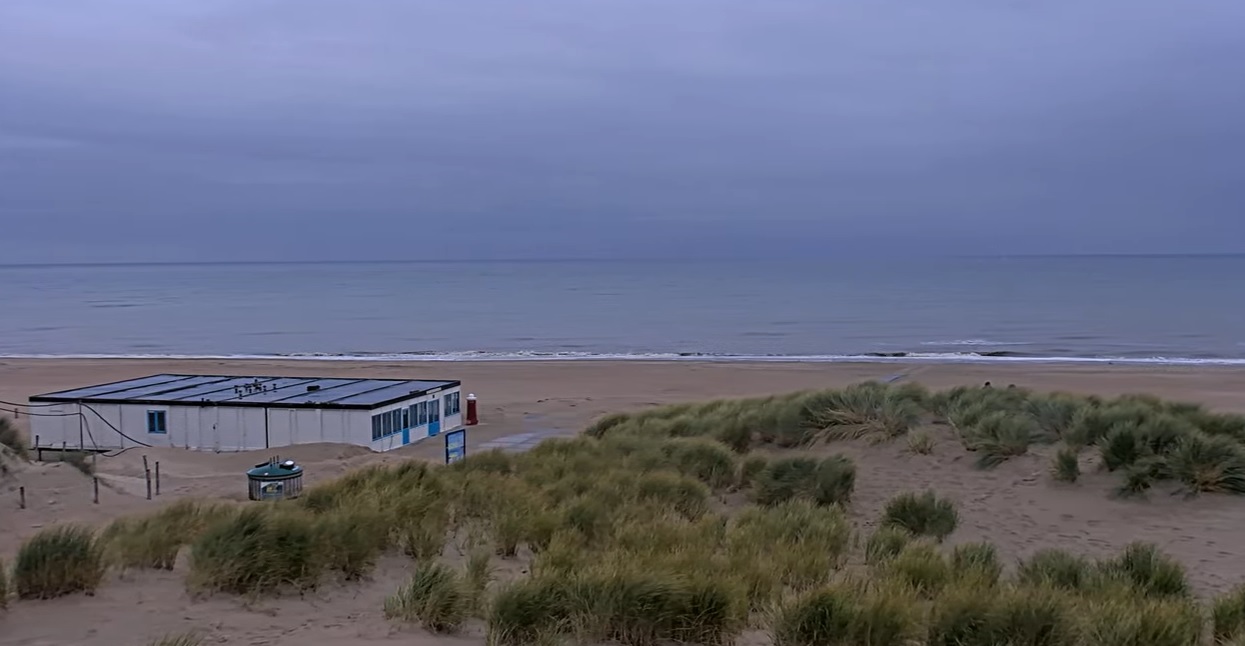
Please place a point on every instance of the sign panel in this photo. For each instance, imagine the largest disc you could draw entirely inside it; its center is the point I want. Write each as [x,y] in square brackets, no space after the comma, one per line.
[455,445]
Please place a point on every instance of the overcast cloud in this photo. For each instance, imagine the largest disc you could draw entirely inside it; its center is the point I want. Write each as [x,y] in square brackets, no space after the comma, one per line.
[149,130]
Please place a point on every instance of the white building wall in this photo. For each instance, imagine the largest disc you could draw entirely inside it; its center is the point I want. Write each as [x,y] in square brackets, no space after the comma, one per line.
[228,428]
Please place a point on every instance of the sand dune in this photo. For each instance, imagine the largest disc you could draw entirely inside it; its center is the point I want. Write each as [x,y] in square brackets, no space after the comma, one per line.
[1016,505]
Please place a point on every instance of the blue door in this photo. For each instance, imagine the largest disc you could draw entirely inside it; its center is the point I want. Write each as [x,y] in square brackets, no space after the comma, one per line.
[434,417]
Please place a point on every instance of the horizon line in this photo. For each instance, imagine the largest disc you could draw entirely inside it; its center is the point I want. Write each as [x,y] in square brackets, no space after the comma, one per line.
[194,263]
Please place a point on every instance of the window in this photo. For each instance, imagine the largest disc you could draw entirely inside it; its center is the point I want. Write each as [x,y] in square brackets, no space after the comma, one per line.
[434,412]
[406,418]
[451,404]
[423,413]
[375,427]
[157,421]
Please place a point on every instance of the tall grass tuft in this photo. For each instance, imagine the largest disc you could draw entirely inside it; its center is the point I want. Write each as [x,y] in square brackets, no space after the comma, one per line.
[710,462]
[923,514]
[749,470]
[1208,463]
[885,543]
[836,480]
[1000,436]
[977,562]
[922,568]
[965,615]
[1056,568]
[1120,620]
[534,610]
[1066,465]
[1228,616]
[154,541]
[435,597]
[12,438]
[1148,571]
[845,615]
[786,479]
[1123,445]
[259,550]
[58,561]
[1037,616]
[870,409]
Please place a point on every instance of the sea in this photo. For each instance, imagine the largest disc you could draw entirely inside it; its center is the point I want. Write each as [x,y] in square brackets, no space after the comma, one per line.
[1120,309]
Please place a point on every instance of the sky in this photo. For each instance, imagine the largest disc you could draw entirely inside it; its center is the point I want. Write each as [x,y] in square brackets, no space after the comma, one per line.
[229,130]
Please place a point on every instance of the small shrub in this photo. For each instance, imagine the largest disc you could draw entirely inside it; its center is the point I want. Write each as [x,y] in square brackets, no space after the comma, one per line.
[1056,568]
[885,543]
[977,561]
[786,479]
[1137,481]
[921,443]
[1152,622]
[1066,465]
[259,550]
[999,436]
[12,438]
[836,479]
[1055,413]
[1148,571]
[706,460]
[1208,463]
[1228,616]
[921,567]
[1123,445]
[56,562]
[435,597]
[922,514]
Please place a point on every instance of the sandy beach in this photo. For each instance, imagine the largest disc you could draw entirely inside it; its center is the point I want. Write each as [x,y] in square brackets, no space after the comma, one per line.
[1016,506]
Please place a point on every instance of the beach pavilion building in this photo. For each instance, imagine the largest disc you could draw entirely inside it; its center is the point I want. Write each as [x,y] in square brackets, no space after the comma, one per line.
[242,413]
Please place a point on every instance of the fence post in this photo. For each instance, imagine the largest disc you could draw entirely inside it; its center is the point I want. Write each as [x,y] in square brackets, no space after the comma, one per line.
[64,449]
[148,484]
[157,477]
[96,483]
[21,493]
[38,450]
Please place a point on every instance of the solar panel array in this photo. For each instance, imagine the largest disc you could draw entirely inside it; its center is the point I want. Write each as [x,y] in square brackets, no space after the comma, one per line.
[327,392]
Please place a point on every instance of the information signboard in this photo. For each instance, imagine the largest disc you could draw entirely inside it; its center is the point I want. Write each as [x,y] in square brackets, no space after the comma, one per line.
[455,445]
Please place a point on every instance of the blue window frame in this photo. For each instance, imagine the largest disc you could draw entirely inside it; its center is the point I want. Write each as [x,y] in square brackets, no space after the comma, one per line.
[157,421]
[451,404]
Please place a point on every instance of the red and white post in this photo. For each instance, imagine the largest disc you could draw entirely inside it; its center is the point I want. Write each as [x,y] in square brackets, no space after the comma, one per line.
[473,415]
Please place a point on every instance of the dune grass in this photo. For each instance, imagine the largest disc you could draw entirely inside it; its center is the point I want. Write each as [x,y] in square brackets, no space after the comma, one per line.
[58,561]
[4,586]
[12,438]
[663,527]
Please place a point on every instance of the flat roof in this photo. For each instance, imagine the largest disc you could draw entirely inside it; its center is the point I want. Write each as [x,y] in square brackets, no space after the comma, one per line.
[257,391]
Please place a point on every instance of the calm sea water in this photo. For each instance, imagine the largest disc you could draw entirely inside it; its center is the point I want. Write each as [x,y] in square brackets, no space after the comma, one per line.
[1088,308]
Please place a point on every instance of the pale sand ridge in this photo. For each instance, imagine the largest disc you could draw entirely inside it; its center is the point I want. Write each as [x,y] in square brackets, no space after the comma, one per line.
[1016,506]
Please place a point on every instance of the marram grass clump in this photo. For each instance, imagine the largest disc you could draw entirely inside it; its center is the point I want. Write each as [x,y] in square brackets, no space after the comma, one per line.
[923,514]
[58,561]
[436,597]
[259,550]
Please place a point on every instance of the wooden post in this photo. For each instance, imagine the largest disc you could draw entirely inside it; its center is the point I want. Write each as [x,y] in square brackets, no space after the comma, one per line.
[64,449]
[145,467]
[96,482]
[38,450]
[148,485]
[21,493]
[157,477]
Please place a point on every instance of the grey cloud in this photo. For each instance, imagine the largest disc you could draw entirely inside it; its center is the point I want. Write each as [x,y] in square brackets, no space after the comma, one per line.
[282,129]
